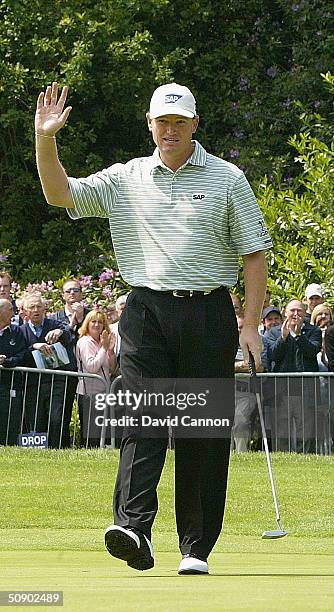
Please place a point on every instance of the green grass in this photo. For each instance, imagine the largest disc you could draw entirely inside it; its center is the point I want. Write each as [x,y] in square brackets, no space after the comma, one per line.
[56,504]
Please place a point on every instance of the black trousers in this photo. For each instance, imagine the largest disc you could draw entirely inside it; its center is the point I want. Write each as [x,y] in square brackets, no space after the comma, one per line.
[168,337]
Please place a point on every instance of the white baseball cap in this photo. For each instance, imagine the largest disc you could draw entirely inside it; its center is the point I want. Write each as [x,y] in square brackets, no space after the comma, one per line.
[172,99]
[313,289]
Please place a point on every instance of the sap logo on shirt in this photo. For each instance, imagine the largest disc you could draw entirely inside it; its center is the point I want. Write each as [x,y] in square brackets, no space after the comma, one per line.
[199,196]
[263,232]
[171,98]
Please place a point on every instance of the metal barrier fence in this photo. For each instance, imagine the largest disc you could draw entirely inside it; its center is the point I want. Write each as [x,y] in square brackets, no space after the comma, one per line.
[36,401]
[298,410]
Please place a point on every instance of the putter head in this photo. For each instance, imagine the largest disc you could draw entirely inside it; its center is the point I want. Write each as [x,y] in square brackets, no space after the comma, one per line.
[274,534]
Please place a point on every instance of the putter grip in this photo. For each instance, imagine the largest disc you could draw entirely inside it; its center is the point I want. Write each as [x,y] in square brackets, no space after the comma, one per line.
[254,381]
[252,367]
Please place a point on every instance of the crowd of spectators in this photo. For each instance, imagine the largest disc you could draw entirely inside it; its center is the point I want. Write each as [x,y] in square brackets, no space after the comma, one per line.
[296,340]
[40,402]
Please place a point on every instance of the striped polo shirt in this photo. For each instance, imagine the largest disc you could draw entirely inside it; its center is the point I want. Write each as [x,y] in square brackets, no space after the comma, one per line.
[175,230]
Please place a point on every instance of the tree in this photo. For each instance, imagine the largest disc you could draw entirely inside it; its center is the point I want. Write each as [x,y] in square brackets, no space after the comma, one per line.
[300,215]
[247,63]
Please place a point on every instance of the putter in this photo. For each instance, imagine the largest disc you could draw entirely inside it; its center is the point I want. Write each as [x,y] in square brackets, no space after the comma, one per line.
[255,382]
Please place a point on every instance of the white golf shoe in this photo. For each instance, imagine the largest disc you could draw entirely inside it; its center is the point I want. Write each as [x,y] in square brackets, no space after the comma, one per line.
[191,565]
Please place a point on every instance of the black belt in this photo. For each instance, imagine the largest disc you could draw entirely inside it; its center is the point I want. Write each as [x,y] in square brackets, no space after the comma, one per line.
[181,293]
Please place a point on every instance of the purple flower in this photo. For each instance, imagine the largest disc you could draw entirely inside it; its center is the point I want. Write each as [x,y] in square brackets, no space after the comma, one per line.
[86,281]
[272,71]
[286,103]
[107,292]
[317,103]
[235,105]
[234,153]
[298,7]
[3,258]
[106,275]
[243,83]
[248,116]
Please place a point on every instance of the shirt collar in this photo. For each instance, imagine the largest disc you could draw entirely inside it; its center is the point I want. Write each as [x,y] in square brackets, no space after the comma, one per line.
[35,328]
[4,329]
[197,158]
[67,312]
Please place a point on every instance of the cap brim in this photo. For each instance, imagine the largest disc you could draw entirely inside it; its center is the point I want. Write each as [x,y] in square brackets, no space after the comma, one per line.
[264,316]
[167,110]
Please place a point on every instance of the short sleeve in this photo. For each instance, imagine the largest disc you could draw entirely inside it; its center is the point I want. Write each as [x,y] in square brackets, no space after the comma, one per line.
[95,196]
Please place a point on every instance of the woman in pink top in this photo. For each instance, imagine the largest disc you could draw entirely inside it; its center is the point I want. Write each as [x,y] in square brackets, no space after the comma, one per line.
[95,355]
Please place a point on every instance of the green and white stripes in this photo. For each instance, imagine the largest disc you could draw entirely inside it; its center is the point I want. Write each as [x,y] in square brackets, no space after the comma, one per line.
[170,230]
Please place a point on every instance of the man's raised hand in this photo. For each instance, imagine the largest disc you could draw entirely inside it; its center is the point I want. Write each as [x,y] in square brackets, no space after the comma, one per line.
[50,113]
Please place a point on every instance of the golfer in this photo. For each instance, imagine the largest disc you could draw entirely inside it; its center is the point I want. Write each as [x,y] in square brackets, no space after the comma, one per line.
[179,221]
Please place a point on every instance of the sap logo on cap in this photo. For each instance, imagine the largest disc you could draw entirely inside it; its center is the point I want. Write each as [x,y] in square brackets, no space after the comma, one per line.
[171,98]
[199,196]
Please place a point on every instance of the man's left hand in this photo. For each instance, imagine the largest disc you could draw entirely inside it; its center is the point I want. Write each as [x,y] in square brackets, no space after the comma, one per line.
[251,341]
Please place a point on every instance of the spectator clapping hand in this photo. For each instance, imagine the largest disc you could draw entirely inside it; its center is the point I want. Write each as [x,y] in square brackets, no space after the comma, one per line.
[294,319]
[78,315]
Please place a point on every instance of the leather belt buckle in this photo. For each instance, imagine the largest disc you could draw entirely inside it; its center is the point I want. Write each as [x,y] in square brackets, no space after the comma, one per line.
[176,293]
[181,293]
